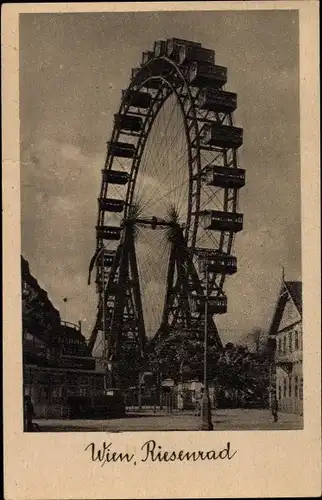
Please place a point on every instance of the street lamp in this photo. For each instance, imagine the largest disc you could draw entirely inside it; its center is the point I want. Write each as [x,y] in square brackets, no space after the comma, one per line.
[206,424]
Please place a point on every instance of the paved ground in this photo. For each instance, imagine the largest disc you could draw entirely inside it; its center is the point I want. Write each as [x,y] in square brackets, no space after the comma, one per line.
[238,419]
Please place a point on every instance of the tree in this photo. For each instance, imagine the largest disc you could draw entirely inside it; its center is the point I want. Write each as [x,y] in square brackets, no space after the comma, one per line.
[180,354]
[235,370]
[242,374]
[256,339]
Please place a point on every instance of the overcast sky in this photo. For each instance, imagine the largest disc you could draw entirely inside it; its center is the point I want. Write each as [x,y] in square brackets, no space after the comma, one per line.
[72,70]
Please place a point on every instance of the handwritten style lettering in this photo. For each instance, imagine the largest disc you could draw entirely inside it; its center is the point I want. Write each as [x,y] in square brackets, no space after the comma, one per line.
[155,453]
[105,455]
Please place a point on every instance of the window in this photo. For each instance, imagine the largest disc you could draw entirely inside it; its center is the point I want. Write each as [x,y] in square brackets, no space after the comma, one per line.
[84,380]
[56,393]
[25,291]
[73,378]
[290,387]
[279,346]
[301,389]
[296,339]
[98,382]
[296,386]
[44,393]
[279,392]
[284,388]
[72,391]
[290,346]
[284,344]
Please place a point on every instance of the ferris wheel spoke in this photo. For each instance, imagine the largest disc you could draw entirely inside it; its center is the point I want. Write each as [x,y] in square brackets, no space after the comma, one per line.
[183,198]
[150,274]
[161,161]
[212,158]
[145,160]
[165,177]
[164,158]
[148,152]
[155,151]
[121,164]
[210,197]
[181,157]
[150,201]
[154,172]
[208,236]
[164,132]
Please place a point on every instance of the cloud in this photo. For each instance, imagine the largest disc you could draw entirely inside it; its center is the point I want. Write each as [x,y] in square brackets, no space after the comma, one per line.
[58,214]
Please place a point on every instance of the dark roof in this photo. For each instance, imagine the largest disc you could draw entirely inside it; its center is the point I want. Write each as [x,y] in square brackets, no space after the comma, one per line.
[294,289]
[61,330]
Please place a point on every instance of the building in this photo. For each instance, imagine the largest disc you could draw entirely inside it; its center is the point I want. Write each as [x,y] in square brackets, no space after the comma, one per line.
[40,320]
[189,394]
[287,366]
[57,362]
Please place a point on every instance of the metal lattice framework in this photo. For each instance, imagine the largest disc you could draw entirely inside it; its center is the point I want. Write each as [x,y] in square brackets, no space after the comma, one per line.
[171,169]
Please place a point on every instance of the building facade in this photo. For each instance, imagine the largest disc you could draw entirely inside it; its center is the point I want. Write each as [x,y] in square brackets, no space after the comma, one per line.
[57,362]
[287,366]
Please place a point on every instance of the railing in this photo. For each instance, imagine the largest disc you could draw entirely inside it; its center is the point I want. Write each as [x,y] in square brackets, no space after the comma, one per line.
[31,347]
[71,325]
[289,357]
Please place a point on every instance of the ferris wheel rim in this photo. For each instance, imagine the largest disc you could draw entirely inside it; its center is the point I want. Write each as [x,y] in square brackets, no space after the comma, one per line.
[116,132]
[182,80]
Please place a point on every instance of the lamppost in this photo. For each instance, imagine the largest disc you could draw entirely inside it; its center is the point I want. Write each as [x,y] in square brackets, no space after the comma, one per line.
[206,424]
[140,391]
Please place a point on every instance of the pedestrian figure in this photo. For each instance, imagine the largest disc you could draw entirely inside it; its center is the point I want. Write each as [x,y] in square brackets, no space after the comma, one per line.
[199,399]
[198,407]
[170,402]
[28,414]
[275,409]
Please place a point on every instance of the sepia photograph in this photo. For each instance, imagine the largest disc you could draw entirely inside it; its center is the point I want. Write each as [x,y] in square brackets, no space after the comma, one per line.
[161,250]
[161,283]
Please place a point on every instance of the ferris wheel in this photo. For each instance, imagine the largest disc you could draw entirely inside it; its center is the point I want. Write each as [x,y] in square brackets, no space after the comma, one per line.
[168,204]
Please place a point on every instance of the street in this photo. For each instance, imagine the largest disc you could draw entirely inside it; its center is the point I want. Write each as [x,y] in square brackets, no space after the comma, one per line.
[223,420]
